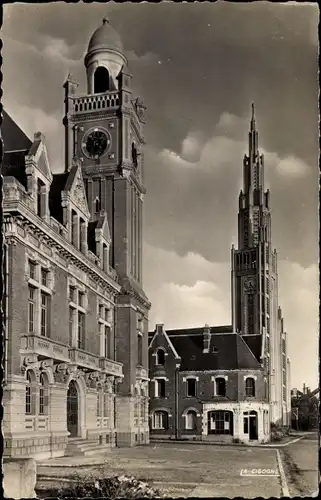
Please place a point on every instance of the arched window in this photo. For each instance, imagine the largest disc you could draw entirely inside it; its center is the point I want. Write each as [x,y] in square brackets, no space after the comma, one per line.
[220,386]
[30,407]
[190,420]
[101,80]
[160,420]
[250,387]
[160,357]
[43,395]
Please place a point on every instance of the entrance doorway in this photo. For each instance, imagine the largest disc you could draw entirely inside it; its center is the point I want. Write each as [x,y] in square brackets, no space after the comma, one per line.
[72,409]
[253,434]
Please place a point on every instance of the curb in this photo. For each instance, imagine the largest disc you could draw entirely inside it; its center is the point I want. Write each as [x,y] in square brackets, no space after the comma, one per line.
[210,443]
[284,484]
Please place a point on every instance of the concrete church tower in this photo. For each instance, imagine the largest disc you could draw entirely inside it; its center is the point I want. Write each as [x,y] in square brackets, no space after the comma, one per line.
[104,131]
[255,310]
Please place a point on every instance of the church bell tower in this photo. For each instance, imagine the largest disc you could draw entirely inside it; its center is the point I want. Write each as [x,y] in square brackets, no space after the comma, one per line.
[254,273]
[104,131]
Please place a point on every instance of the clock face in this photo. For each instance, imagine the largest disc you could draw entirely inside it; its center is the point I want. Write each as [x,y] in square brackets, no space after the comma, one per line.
[96,143]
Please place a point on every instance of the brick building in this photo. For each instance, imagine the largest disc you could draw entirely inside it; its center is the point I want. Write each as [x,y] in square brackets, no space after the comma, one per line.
[238,374]
[76,333]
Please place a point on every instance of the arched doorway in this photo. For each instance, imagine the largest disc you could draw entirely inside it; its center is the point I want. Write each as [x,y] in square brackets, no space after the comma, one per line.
[72,409]
[253,430]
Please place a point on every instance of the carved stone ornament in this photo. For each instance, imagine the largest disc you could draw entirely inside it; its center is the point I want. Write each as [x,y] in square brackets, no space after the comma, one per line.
[60,374]
[30,360]
[47,363]
[91,379]
[79,197]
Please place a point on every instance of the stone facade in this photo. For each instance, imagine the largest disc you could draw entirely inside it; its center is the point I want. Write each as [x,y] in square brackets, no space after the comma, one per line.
[76,356]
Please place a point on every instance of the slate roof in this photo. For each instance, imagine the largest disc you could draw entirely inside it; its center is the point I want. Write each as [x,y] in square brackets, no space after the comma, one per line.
[255,344]
[13,137]
[227,351]
[13,164]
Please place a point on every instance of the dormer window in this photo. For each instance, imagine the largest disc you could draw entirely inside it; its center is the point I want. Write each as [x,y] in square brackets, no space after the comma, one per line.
[160,357]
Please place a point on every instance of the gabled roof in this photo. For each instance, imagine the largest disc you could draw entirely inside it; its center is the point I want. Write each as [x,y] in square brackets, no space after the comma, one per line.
[227,350]
[38,155]
[159,330]
[76,188]
[14,139]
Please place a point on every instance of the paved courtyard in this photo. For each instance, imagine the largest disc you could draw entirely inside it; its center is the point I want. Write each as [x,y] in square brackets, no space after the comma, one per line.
[185,470]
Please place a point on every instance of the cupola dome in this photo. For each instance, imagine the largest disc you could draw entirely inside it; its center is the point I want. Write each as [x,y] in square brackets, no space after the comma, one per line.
[105,37]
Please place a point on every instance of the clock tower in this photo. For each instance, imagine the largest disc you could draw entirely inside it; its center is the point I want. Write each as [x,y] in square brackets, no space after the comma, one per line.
[254,287]
[104,130]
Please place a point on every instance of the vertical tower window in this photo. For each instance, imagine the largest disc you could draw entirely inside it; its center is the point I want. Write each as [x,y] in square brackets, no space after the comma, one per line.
[101,80]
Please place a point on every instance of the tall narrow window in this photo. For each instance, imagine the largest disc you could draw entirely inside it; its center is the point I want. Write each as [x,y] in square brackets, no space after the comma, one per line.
[74,228]
[160,388]
[32,270]
[220,386]
[40,185]
[191,387]
[140,349]
[160,420]
[106,405]
[44,315]
[106,341]
[31,309]
[30,395]
[44,277]
[190,420]
[98,408]
[43,395]
[250,387]
[71,325]
[81,330]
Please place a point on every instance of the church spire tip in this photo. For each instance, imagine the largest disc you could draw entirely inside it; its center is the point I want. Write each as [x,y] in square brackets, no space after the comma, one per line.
[253,126]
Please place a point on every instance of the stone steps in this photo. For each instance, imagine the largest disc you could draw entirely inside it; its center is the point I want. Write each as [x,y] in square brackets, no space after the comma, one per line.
[83,447]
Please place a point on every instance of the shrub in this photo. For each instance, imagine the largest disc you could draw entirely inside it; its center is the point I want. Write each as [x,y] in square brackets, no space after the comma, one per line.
[112,487]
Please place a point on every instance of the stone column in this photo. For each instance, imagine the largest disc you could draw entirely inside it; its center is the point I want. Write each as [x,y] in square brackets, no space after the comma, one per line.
[83,237]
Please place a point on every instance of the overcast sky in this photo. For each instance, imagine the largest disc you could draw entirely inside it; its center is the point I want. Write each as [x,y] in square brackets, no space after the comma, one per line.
[198,67]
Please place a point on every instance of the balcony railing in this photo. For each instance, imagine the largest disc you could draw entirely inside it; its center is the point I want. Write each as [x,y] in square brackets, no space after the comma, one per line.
[141,373]
[111,367]
[44,346]
[83,104]
[84,359]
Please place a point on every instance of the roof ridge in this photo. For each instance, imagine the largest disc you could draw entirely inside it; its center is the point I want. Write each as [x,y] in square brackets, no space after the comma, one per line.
[247,347]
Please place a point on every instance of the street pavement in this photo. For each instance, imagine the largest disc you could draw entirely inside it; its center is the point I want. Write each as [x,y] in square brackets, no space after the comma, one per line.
[300,462]
[186,470]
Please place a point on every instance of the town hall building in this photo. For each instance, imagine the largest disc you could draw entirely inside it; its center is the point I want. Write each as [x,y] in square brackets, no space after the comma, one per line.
[231,382]
[76,315]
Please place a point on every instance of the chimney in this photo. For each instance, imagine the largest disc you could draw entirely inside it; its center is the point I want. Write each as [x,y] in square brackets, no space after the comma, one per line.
[206,339]
[304,389]
[160,328]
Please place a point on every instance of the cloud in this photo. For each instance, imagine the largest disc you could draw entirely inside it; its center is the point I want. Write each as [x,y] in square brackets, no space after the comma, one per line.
[186,291]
